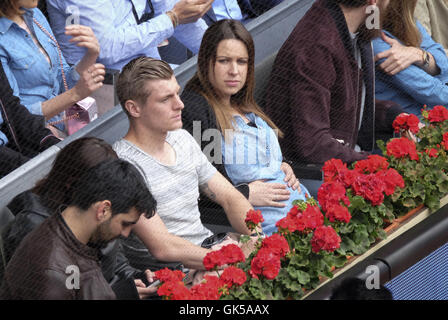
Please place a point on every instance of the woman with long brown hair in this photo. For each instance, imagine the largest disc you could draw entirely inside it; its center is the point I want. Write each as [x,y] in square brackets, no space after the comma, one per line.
[220,97]
[412,69]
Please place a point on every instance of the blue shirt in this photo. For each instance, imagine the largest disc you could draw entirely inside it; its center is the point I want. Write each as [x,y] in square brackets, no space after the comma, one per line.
[31,77]
[254,154]
[227,9]
[114,24]
[413,87]
[3,138]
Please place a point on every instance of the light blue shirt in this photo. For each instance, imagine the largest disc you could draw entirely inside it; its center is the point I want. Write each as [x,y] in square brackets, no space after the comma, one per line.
[31,77]
[227,9]
[120,37]
[413,87]
[254,154]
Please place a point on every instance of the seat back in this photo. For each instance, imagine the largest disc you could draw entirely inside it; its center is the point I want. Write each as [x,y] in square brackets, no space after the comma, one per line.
[262,73]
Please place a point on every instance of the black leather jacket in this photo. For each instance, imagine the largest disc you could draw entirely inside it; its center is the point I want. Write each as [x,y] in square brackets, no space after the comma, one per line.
[29,212]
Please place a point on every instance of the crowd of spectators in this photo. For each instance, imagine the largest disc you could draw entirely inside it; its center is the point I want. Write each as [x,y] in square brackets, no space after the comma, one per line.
[119,212]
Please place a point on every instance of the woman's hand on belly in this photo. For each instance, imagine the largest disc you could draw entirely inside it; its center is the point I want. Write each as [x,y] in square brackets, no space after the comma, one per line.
[266,194]
[290,177]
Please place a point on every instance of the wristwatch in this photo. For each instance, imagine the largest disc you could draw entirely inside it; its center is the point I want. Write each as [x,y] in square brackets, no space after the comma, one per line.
[426,58]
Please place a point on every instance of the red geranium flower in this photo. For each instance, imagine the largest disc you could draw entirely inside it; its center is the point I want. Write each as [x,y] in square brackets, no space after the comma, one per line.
[253,219]
[370,187]
[438,114]
[445,140]
[213,259]
[401,148]
[406,122]
[391,179]
[232,254]
[325,238]
[332,193]
[312,217]
[294,211]
[433,153]
[348,177]
[333,168]
[210,289]
[233,276]
[277,243]
[338,213]
[266,263]
[165,275]
[290,224]
[174,290]
[372,164]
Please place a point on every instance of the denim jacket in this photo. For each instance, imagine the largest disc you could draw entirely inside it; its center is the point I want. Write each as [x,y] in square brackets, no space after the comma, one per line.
[413,87]
[30,75]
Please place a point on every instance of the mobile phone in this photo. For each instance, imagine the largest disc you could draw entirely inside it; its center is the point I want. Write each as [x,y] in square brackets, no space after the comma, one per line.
[154,284]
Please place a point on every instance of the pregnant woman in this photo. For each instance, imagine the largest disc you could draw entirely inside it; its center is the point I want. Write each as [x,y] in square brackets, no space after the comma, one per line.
[220,97]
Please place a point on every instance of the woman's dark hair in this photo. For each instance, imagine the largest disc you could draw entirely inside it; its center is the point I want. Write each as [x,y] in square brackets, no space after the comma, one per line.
[244,99]
[70,164]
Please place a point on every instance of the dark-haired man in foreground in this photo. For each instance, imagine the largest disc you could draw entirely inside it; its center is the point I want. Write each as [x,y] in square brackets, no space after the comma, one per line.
[59,259]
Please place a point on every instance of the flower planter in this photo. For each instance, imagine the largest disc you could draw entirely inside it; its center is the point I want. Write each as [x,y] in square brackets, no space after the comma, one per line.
[391,227]
[409,214]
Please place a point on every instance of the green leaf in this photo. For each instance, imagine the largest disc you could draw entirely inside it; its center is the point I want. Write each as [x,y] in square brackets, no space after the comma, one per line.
[382,234]
[298,261]
[432,202]
[443,187]
[409,202]
[303,277]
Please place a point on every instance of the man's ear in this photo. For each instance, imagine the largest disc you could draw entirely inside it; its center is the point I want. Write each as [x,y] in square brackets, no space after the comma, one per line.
[133,108]
[103,210]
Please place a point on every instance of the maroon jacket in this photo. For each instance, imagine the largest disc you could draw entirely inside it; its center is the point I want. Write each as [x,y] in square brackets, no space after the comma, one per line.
[314,93]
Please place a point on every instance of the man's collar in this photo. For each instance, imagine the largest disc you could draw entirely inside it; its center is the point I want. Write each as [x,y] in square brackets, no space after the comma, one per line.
[341,24]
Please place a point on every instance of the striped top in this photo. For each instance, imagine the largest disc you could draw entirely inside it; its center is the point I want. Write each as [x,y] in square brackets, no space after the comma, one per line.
[176,187]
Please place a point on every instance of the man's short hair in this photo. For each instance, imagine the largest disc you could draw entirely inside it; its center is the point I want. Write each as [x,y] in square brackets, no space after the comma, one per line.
[133,77]
[351,3]
[117,181]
